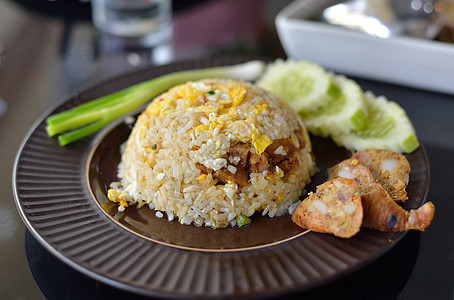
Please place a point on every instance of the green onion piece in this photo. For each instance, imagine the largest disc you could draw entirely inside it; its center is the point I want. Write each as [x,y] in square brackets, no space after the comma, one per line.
[242,220]
[90,117]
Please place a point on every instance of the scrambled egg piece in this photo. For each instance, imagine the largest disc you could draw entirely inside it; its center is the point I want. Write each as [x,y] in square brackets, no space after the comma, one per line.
[260,141]
[219,103]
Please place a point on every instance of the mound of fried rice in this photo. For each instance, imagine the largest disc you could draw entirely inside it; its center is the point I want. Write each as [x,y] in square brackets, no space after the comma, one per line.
[213,151]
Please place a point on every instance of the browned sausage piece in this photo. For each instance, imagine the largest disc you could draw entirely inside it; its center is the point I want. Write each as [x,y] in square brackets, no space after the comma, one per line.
[240,150]
[258,163]
[381,212]
[241,177]
[390,169]
[334,208]
[350,168]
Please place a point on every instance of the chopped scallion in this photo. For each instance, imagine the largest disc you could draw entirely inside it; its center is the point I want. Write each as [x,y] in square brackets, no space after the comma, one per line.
[242,220]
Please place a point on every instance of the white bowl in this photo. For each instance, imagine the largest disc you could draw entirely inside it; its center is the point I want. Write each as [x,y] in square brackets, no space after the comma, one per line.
[402,60]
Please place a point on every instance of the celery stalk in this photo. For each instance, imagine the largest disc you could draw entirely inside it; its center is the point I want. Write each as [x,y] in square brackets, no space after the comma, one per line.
[92,116]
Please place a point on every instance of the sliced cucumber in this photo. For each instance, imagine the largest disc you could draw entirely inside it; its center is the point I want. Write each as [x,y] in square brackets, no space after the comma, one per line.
[304,85]
[388,128]
[335,106]
[341,115]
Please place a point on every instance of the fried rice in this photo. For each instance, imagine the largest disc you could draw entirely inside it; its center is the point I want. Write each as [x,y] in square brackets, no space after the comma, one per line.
[212,152]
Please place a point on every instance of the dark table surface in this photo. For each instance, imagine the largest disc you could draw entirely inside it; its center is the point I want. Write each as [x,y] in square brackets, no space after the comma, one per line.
[47,52]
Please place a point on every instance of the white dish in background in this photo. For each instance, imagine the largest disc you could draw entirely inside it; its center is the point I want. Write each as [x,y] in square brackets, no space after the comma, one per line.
[402,60]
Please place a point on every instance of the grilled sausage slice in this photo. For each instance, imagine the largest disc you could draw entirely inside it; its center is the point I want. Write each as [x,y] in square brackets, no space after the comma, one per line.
[390,169]
[381,212]
[334,208]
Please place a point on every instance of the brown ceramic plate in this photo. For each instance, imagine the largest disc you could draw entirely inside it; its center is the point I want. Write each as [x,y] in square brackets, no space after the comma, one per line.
[60,194]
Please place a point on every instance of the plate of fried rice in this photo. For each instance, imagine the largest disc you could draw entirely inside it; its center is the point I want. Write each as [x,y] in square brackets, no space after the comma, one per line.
[191,196]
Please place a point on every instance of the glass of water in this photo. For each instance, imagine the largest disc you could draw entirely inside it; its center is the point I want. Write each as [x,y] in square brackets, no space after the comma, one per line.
[150,19]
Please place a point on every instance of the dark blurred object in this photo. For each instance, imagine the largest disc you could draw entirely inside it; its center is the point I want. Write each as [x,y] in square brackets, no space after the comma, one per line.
[81,9]
[445,9]
[180,5]
[446,34]
[68,9]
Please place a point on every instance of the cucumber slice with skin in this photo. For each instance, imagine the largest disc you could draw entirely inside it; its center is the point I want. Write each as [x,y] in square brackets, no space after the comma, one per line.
[304,85]
[335,106]
[343,114]
[388,128]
